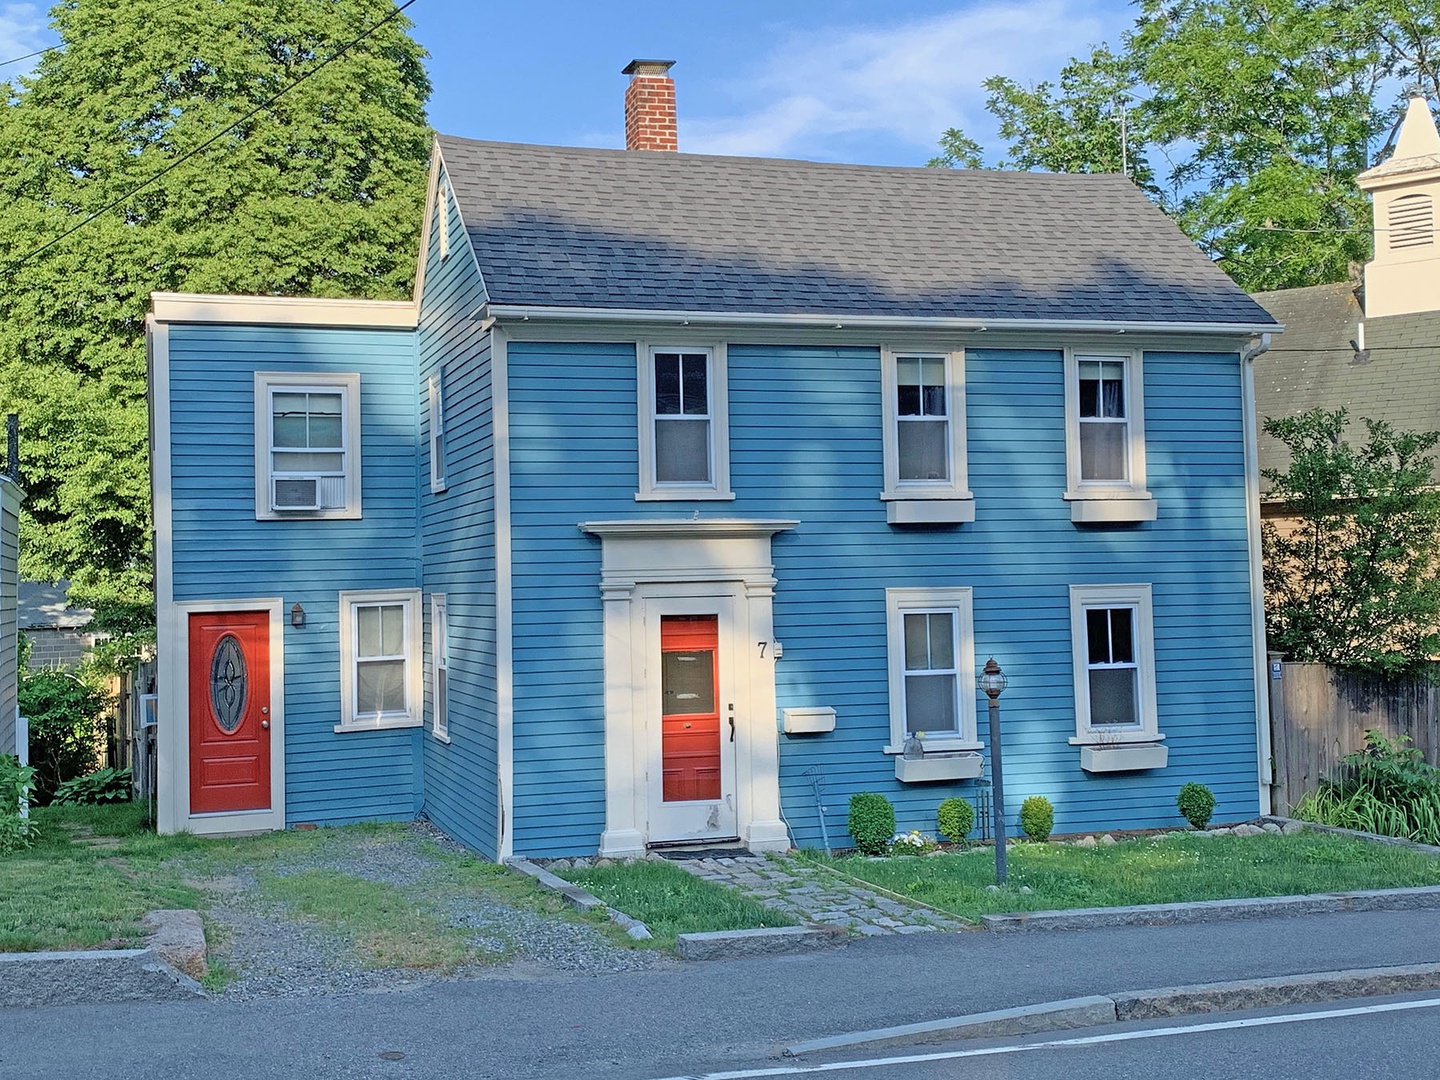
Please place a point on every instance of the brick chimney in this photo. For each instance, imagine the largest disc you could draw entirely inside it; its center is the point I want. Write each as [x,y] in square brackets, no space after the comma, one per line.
[650,106]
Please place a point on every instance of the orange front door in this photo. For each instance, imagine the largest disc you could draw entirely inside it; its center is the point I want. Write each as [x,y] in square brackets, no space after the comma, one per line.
[690,709]
[229,711]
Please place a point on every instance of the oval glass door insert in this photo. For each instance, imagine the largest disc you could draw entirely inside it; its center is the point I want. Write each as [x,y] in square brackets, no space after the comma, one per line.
[228,683]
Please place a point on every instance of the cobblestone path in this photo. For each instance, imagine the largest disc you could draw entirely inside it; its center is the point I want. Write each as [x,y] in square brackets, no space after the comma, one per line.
[814,894]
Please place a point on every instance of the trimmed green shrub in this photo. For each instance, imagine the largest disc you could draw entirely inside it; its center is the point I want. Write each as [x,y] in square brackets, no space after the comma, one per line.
[955,819]
[871,822]
[1037,818]
[1196,803]
[65,727]
[16,781]
[100,786]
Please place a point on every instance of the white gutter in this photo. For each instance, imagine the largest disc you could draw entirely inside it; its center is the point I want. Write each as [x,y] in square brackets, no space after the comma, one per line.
[1257,572]
[526,312]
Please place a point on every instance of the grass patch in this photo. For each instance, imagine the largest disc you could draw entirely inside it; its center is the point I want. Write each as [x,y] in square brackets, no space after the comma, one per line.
[1161,870]
[672,902]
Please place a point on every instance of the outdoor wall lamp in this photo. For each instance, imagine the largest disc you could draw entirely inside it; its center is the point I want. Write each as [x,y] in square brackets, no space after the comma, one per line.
[993,681]
[297,616]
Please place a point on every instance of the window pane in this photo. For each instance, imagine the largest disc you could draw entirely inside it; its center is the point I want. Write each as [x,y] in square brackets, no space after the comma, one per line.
[933,378]
[367,631]
[942,640]
[1089,395]
[1097,633]
[667,384]
[695,399]
[1122,635]
[289,429]
[1112,696]
[379,686]
[923,451]
[687,683]
[682,451]
[930,703]
[917,649]
[1114,395]
[1103,451]
[392,630]
[934,401]
[325,430]
[303,461]
[907,377]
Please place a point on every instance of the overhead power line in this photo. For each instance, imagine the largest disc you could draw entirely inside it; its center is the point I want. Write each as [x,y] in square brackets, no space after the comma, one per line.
[132,192]
[41,52]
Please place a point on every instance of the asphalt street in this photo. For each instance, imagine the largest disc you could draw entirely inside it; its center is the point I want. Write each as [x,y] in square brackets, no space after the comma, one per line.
[687,1019]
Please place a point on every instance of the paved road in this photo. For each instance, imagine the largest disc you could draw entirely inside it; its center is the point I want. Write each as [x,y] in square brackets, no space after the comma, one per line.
[689,1018]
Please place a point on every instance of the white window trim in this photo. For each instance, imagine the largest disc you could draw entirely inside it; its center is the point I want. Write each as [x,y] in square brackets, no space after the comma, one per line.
[414,677]
[958,486]
[1083,598]
[1075,488]
[961,601]
[717,385]
[266,383]
[437,431]
[440,661]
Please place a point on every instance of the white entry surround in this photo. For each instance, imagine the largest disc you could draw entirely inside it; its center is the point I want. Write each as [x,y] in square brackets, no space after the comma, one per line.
[645,562]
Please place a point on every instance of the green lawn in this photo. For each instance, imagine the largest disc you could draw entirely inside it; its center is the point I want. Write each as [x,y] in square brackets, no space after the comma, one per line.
[672,902]
[68,892]
[1145,871]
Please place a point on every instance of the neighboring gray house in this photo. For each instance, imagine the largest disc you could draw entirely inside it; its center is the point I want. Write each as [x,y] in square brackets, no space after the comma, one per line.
[56,630]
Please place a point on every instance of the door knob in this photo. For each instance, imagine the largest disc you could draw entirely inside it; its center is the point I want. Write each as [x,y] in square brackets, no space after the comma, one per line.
[265,724]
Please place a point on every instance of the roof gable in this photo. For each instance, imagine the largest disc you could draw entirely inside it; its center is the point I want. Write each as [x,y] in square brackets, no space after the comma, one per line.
[579,228]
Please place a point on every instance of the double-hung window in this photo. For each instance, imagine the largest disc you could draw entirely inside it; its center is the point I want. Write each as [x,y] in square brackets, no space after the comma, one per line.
[437,431]
[1112,638]
[925,456]
[1105,437]
[932,668]
[380,660]
[440,649]
[307,445]
[684,436]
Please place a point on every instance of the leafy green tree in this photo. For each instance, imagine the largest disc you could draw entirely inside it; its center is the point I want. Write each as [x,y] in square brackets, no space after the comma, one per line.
[1263,110]
[1352,571]
[319,194]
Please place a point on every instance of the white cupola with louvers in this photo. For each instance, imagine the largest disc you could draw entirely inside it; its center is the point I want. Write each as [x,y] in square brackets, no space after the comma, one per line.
[1404,276]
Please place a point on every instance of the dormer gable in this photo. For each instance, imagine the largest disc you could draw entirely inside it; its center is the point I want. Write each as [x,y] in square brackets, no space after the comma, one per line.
[1404,277]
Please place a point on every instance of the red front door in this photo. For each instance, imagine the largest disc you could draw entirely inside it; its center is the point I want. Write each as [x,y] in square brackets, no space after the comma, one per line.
[690,720]
[229,711]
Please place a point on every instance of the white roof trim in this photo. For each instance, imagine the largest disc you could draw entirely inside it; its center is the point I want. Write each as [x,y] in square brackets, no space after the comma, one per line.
[168,307]
[503,312]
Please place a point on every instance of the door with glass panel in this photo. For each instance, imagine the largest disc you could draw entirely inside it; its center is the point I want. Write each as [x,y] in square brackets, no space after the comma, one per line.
[229,711]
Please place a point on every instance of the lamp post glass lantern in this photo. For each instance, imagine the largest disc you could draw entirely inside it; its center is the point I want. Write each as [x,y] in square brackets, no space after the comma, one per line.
[993,682]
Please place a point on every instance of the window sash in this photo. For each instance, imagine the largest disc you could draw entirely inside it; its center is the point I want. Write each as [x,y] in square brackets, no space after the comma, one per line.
[437,431]
[683,431]
[440,647]
[1114,663]
[310,457]
[378,670]
[930,638]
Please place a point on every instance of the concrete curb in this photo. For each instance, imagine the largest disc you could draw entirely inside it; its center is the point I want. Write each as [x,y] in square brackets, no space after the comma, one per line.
[1204,911]
[768,941]
[1144,1005]
[578,897]
[177,937]
[1374,838]
[37,980]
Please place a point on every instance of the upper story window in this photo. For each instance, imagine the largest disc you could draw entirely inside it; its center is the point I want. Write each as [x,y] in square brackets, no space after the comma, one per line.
[684,435]
[1113,643]
[925,456]
[931,647]
[437,431]
[1105,437]
[379,659]
[307,445]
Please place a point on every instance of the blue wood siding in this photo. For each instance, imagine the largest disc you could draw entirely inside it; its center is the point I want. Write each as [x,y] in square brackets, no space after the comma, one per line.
[458,529]
[221,551]
[805,434]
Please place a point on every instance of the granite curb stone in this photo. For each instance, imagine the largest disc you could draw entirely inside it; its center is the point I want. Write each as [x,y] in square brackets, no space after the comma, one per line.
[42,979]
[578,897]
[768,941]
[178,938]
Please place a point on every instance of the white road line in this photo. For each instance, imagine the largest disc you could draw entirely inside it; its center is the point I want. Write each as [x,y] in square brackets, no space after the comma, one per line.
[1087,1040]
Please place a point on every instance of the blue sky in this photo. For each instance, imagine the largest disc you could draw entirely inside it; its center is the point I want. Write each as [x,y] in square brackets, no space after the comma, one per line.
[836,80]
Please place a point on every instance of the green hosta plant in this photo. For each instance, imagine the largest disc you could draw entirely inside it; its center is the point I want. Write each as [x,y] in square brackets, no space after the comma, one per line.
[955,819]
[871,822]
[101,786]
[1196,803]
[16,783]
[1037,818]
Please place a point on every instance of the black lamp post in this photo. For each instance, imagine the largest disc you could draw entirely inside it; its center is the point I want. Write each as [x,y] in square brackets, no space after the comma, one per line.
[992,680]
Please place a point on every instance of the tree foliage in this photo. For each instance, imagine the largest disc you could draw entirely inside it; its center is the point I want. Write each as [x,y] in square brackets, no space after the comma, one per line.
[1352,578]
[317,195]
[1263,111]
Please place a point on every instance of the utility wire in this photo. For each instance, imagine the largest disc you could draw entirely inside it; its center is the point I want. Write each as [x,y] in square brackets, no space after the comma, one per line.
[27,56]
[8,270]
[42,52]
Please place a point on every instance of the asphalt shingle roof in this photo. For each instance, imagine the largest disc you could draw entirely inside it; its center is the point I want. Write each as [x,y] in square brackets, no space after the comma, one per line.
[1312,364]
[570,227]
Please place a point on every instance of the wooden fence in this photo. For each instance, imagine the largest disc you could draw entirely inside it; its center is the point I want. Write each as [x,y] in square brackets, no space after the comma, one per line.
[1318,715]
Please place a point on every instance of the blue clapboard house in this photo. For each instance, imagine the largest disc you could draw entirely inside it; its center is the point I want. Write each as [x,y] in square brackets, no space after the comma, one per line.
[690,492]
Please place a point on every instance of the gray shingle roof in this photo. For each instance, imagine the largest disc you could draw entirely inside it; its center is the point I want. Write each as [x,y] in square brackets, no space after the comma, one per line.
[1311,365]
[567,227]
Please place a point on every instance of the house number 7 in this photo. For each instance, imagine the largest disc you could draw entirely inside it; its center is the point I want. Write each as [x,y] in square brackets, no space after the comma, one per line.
[762,645]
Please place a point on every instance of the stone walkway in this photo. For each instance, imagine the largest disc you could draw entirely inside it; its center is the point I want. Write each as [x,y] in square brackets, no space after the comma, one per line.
[814,894]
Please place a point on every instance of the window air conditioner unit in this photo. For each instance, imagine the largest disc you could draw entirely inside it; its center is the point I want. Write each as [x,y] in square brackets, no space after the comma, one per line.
[295,493]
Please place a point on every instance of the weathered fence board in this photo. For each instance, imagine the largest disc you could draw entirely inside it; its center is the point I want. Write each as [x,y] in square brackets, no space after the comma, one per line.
[1319,715]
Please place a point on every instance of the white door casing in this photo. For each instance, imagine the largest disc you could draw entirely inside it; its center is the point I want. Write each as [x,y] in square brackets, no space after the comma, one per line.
[644,561]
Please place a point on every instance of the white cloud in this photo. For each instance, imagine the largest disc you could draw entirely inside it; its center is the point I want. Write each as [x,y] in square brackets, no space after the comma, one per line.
[908,82]
[22,30]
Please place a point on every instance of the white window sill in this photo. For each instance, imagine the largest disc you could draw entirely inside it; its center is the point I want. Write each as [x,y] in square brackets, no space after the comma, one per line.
[1111,738]
[337,514]
[438,488]
[387,724]
[940,746]
[1087,507]
[932,767]
[1124,758]
[684,495]
[440,736]
[919,508]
